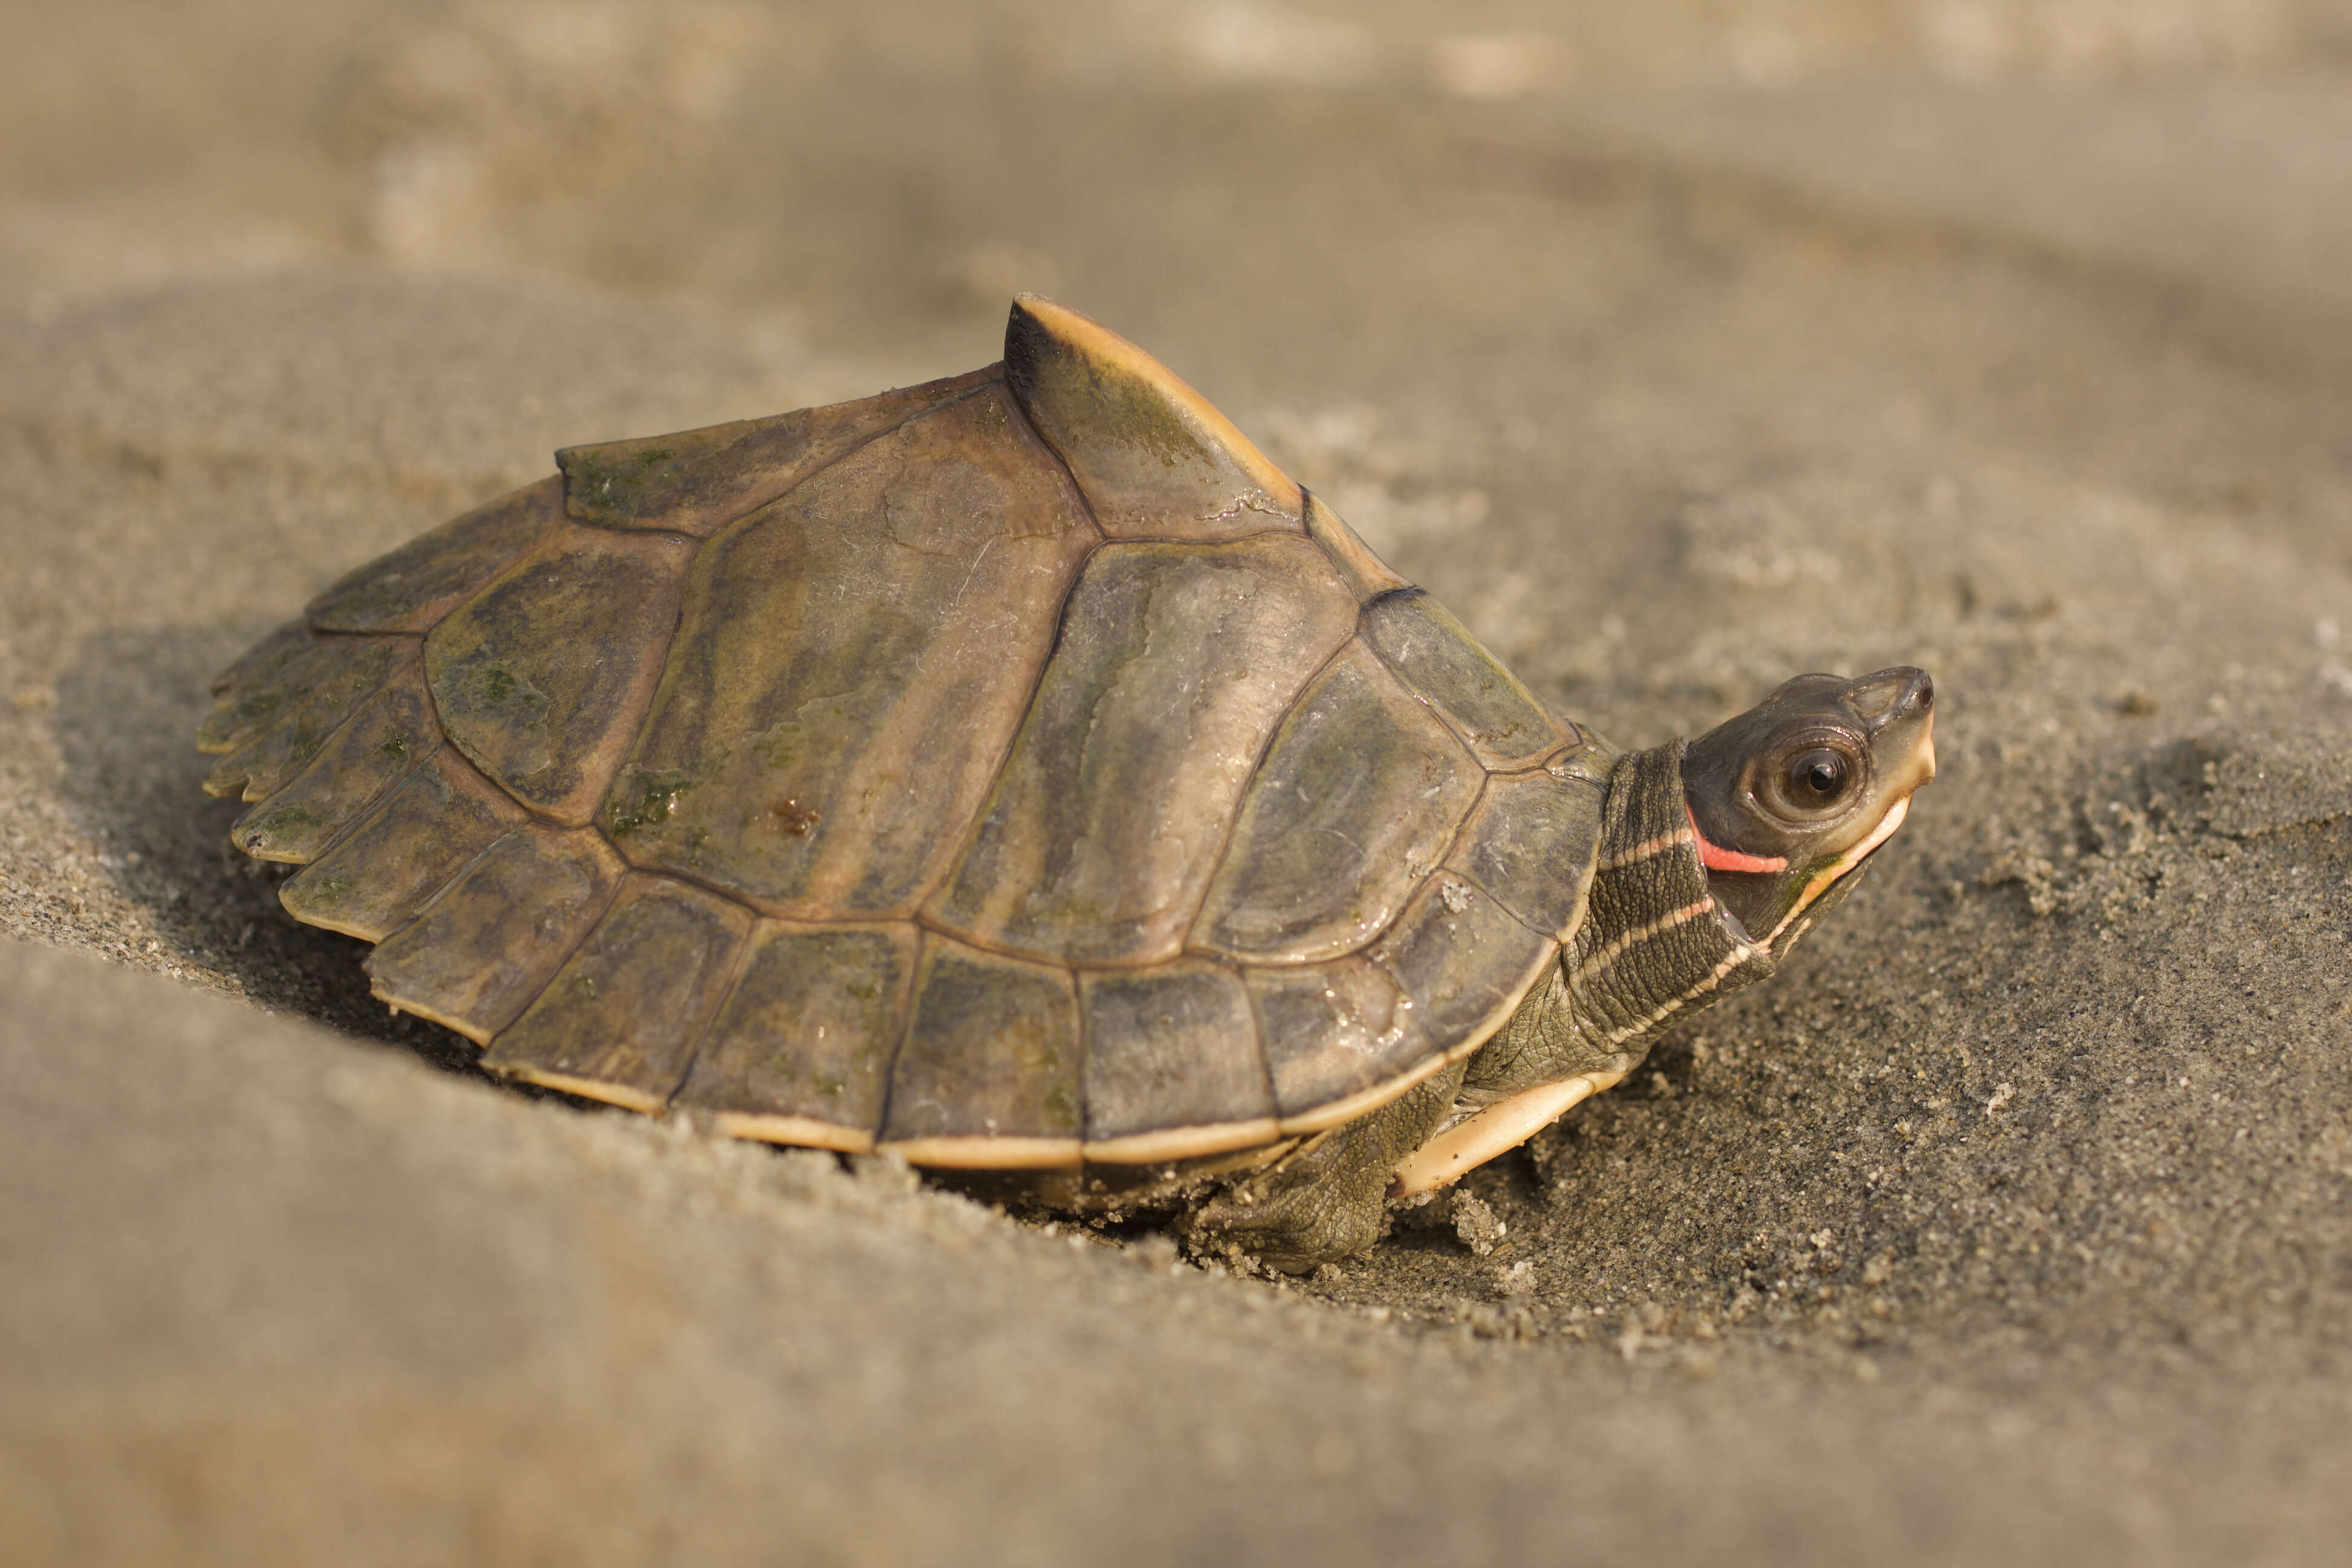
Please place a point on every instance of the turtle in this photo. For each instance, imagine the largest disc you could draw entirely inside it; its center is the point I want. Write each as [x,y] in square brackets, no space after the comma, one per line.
[1020,775]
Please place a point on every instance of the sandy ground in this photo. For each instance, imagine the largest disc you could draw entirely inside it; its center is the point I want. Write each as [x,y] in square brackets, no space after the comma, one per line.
[1678,348]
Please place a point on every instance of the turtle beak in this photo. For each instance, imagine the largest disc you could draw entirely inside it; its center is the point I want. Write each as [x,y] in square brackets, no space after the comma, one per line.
[1897,710]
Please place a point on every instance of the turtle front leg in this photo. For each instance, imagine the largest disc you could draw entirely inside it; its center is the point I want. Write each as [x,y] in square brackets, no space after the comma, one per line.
[1322,1201]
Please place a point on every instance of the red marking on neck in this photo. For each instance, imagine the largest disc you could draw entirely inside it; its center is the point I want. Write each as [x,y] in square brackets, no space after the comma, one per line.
[1715,857]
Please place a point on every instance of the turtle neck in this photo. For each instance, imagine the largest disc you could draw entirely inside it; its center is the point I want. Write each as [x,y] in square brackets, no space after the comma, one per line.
[1653,944]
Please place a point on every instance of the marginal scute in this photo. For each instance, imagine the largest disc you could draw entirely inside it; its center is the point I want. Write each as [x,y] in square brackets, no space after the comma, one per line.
[1154,459]
[1171,1048]
[379,745]
[1436,657]
[475,956]
[1175,664]
[319,691]
[1464,961]
[620,1020]
[988,1072]
[387,864]
[1530,843]
[1334,1032]
[412,587]
[801,1051]
[268,685]
[852,665]
[1365,573]
[698,481]
[257,666]
[1353,807]
[541,678]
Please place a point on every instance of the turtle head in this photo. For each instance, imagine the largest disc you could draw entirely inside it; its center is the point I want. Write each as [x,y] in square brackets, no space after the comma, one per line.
[1789,798]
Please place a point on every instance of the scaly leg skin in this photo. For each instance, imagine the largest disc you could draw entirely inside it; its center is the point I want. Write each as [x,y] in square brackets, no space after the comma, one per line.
[1322,1202]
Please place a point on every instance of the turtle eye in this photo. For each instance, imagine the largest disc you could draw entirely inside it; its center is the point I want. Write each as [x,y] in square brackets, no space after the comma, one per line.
[1810,781]
[1818,777]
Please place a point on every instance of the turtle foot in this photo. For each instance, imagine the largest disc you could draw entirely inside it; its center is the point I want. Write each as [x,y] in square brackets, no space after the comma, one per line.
[1325,1199]
[1295,1214]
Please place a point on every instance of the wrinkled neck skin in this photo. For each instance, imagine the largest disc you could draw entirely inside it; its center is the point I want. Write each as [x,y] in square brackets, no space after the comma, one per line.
[1653,945]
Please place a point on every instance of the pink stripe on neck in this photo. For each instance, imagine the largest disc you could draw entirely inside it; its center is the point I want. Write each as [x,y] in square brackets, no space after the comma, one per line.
[1716,858]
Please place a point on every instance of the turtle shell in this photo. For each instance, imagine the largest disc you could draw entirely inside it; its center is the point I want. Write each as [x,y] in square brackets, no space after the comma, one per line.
[1015,771]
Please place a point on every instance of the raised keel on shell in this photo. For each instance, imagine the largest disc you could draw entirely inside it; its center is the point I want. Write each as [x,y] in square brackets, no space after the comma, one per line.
[1155,458]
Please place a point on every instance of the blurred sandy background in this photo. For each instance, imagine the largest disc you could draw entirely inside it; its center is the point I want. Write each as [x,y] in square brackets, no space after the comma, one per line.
[1677,346]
